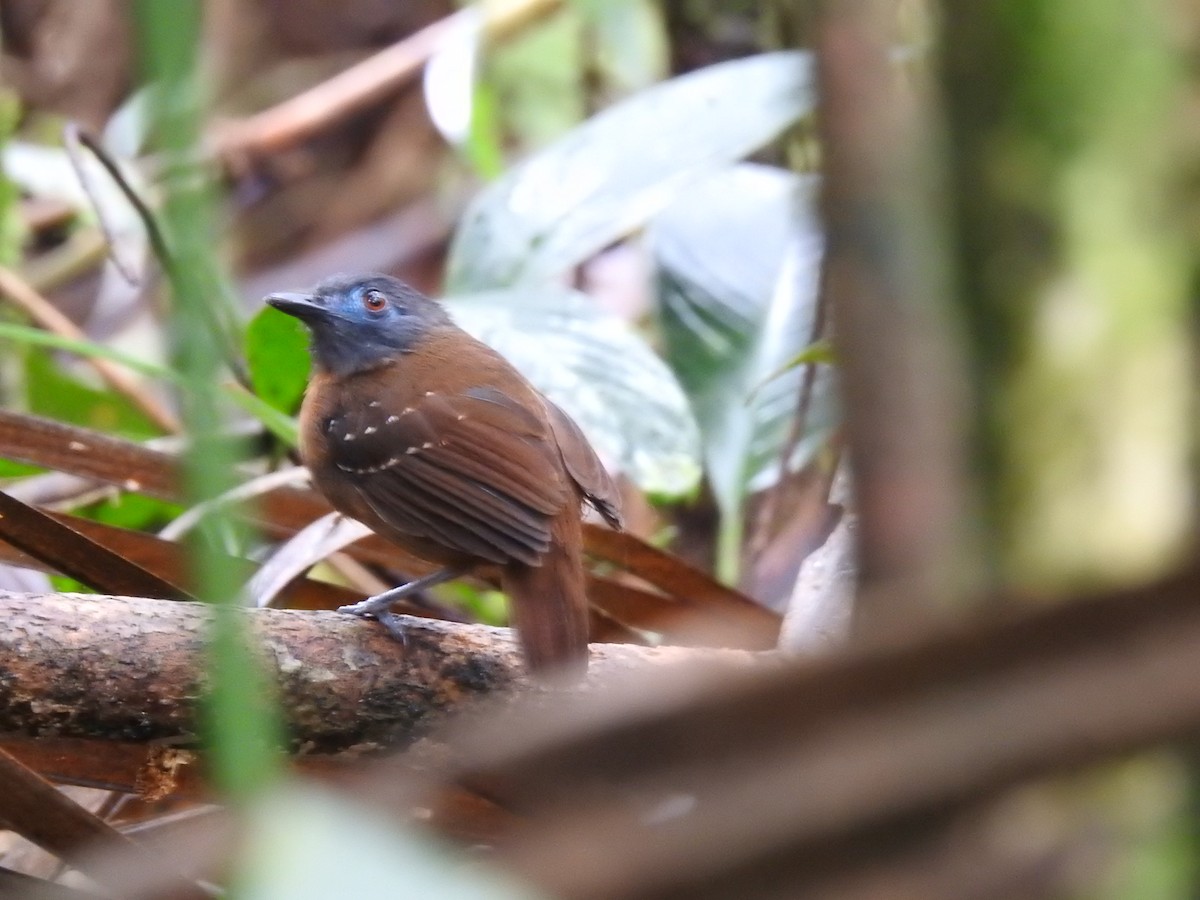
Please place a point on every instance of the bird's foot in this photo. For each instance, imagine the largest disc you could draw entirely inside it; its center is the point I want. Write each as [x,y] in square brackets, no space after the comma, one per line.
[393,625]
[379,606]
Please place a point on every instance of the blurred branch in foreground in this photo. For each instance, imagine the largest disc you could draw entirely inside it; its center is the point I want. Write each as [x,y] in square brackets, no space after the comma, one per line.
[782,778]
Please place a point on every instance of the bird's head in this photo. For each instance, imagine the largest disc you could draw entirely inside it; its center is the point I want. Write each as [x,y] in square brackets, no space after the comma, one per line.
[359,322]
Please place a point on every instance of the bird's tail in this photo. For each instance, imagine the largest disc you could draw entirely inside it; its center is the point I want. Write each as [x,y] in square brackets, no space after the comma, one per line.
[548,604]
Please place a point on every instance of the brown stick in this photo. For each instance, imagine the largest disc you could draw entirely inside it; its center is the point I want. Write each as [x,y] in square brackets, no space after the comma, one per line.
[36,810]
[129,669]
[358,87]
[46,315]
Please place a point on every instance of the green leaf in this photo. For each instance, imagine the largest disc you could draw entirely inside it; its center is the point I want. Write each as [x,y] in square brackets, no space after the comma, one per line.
[10,469]
[280,424]
[52,393]
[602,373]
[536,81]
[630,45]
[818,352]
[134,511]
[12,226]
[64,585]
[276,347]
[739,261]
[483,148]
[45,171]
[608,176]
[26,334]
[486,606]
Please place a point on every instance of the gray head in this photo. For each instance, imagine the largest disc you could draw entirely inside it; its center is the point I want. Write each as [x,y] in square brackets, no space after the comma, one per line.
[360,321]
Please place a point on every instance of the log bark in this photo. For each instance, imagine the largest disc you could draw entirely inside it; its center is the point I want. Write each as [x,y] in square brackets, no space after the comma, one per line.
[131,669]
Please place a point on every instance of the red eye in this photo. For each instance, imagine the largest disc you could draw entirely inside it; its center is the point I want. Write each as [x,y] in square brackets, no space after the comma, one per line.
[374,300]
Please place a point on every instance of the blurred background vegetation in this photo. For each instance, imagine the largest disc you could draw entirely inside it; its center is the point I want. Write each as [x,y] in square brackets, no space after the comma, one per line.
[955,244]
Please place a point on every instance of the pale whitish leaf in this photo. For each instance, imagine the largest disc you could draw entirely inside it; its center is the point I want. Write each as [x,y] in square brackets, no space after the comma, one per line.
[449,80]
[301,552]
[303,843]
[246,490]
[24,581]
[739,261]
[116,311]
[602,373]
[48,172]
[609,175]
[125,132]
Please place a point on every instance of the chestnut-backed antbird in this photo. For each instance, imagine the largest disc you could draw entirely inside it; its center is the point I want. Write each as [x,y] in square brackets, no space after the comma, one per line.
[434,441]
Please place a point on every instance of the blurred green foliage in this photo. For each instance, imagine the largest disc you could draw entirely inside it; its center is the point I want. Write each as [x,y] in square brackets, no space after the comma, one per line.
[134,511]
[52,393]
[1065,156]
[486,606]
[535,82]
[12,230]
[240,722]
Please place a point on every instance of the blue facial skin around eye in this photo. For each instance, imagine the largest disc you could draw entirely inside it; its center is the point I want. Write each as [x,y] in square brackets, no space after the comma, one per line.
[359,296]
[354,338]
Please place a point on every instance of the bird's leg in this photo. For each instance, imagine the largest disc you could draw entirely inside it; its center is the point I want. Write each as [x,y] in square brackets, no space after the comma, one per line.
[377,607]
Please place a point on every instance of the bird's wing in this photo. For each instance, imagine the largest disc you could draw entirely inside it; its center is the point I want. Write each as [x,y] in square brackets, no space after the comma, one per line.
[474,472]
[584,466]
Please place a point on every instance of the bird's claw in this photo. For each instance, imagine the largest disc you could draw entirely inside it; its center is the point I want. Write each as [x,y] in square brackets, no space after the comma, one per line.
[390,621]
